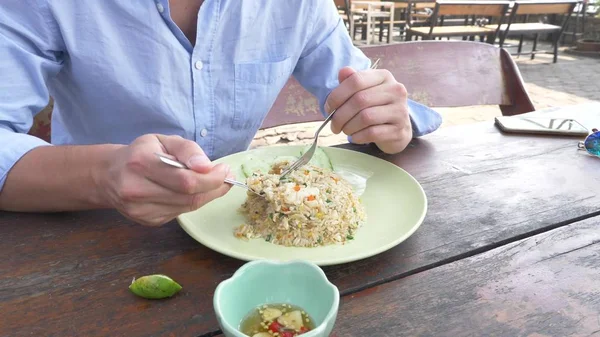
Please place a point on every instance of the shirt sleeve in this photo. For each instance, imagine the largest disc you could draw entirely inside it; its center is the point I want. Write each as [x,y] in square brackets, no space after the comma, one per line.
[328,49]
[29,56]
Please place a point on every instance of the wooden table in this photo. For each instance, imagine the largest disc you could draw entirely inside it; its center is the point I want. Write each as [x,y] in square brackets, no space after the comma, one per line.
[508,248]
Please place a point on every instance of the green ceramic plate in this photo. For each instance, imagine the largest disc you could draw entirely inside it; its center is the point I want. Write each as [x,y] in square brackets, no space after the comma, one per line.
[395,205]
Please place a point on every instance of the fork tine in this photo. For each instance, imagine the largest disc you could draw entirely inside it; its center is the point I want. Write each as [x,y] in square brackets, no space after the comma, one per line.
[305,158]
[293,167]
[301,161]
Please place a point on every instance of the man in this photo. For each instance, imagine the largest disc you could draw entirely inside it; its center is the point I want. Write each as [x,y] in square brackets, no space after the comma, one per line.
[189,78]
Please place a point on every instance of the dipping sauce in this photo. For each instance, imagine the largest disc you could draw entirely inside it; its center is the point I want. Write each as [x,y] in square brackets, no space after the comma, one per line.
[276,320]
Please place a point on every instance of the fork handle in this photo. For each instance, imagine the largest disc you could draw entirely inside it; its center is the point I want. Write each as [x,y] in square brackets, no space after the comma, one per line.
[236,183]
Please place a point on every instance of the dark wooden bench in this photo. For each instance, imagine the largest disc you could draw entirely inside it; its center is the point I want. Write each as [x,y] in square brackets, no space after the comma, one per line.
[489,9]
[526,8]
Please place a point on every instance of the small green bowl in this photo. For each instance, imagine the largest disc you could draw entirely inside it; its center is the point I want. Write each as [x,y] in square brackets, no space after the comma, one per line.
[260,282]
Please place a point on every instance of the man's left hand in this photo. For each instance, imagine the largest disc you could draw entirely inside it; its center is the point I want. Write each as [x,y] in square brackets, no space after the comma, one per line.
[371,108]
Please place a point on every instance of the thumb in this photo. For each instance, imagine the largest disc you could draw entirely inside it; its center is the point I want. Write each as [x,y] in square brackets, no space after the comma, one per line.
[345,73]
[187,152]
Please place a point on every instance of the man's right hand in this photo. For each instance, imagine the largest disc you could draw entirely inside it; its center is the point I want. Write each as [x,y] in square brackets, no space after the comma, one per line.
[148,191]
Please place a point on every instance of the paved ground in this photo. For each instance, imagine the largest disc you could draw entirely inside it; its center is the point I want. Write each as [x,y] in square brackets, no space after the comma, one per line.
[574,79]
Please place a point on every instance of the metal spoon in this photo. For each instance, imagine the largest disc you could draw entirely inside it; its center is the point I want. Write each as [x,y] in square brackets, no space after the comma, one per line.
[175,163]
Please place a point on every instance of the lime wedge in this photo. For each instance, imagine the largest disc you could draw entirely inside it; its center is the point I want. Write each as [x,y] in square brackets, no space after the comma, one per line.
[154,286]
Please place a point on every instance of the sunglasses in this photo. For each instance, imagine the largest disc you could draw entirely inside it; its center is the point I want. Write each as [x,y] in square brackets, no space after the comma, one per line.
[591,143]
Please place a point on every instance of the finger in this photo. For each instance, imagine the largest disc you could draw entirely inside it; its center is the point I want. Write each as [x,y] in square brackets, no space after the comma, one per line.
[178,180]
[144,190]
[187,152]
[149,214]
[345,73]
[196,201]
[187,181]
[147,191]
[157,213]
[354,83]
[376,115]
[370,97]
[204,198]
[378,134]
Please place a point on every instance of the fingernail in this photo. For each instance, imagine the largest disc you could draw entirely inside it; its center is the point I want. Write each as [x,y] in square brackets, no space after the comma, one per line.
[196,161]
[327,107]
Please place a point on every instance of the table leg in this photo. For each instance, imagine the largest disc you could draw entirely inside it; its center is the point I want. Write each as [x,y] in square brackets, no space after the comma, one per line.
[351,22]
[535,41]
[391,29]
[369,25]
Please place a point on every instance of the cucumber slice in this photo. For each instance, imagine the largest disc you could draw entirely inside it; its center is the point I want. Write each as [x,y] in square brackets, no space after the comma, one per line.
[253,165]
[319,159]
[289,159]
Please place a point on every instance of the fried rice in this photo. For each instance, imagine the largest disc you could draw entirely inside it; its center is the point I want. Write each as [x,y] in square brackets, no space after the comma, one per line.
[310,207]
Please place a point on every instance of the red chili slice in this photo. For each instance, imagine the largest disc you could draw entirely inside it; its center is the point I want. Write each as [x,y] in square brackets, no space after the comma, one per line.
[275,327]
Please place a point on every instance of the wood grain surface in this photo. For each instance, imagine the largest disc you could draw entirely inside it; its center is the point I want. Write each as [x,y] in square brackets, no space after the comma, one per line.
[545,285]
[67,274]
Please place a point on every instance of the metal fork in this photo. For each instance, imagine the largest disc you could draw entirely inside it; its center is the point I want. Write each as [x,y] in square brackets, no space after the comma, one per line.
[307,156]
[175,163]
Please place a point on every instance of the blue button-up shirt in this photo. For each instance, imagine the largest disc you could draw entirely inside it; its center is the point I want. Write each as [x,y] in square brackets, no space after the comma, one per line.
[121,69]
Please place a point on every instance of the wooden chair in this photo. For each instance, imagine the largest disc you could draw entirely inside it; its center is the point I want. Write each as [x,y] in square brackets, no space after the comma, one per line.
[343,7]
[412,13]
[404,15]
[487,9]
[41,127]
[435,73]
[419,14]
[400,10]
[352,20]
[525,8]
[372,11]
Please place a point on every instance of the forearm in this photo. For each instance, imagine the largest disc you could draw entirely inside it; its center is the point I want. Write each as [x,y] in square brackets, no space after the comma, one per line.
[57,178]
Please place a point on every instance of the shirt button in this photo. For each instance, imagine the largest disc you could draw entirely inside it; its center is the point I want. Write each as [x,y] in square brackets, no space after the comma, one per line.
[198,65]
[160,7]
[203,133]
